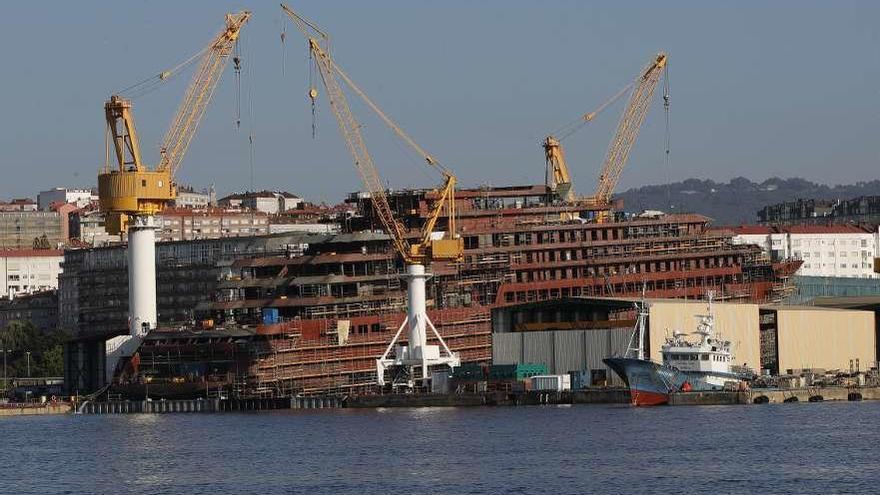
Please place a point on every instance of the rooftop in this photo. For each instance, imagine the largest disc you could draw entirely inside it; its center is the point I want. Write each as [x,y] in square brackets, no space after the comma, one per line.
[800,229]
[828,229]
[206,212]
[260,194]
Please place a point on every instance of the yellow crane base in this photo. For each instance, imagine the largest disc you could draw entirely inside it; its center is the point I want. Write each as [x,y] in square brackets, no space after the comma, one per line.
[125,193]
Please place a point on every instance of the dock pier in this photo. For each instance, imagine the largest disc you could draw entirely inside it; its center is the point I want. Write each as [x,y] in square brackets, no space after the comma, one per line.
[774,396]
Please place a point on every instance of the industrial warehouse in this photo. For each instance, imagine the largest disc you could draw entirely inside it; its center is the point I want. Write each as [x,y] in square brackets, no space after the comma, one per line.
[577,334]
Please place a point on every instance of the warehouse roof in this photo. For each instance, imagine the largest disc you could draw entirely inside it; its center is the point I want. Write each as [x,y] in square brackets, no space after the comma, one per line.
[849,302]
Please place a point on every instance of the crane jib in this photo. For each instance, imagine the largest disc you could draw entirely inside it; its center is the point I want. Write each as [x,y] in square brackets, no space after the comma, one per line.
[449,248]
[131,189]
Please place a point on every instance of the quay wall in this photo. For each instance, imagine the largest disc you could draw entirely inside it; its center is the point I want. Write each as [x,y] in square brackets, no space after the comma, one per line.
[774,396]
[35,409]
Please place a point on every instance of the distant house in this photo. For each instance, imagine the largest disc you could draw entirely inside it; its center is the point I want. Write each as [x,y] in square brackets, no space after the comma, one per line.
[826,250]
[88,226]
[38,308]
[183,224]
[863,209]
[24,271]
[20,229]
[62,195]
[270,202]
[19,204]
[187,197]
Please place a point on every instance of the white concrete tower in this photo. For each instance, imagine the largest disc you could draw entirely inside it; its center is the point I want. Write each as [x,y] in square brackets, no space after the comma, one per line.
[141,292]
[417,353]
[417,315]
[141,275]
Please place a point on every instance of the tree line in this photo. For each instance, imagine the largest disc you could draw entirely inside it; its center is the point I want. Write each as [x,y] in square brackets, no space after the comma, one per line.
[46,350]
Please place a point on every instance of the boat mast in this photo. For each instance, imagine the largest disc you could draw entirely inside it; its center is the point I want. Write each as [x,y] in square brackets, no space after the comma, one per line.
[637,350]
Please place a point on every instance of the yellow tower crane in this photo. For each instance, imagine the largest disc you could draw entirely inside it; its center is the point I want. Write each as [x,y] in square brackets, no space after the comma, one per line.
[558,176]
[131,193]
[417,354]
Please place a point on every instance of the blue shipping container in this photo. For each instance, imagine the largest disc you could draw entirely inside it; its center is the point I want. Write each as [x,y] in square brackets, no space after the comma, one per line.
[270,316]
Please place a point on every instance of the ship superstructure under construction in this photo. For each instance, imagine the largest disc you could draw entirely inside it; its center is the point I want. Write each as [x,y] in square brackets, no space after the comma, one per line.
[315,322]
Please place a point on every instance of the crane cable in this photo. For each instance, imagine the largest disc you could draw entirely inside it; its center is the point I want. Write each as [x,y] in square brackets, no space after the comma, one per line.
[572,127]
[283,45]
[313,93]
[666,113]
[249,94]
[151,83]
[236,60]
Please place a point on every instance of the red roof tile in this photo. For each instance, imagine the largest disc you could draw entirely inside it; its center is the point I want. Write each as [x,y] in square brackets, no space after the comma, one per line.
[753,229]
[827,229]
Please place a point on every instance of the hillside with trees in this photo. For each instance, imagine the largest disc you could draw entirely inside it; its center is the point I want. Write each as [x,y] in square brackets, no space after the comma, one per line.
[737,201]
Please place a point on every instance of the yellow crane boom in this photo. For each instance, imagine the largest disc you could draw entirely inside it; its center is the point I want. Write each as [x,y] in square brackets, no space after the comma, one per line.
[198,95]
[558,175]
[131,189]
[628,128]
[427,248]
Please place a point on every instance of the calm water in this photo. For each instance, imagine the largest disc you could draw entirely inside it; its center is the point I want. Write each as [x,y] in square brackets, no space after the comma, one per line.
[786,448]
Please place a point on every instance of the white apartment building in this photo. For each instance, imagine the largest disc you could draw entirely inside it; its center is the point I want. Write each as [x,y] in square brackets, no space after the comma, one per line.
[270,202]
[826,250]
[82,197]
[89,226]
[192,199]
[184,225]
[29,270]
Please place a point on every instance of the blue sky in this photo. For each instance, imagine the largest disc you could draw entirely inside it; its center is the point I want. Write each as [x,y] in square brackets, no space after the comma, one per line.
[757,88]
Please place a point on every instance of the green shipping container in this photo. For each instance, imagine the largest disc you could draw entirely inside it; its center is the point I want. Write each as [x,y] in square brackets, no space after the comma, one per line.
[468,371]
[516,372]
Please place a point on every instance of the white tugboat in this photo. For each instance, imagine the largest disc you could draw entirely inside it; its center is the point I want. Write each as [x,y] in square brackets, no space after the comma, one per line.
[702,365]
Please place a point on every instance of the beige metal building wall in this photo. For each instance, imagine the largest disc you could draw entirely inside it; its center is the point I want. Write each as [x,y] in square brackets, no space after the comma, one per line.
[810,337]
[738,323]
